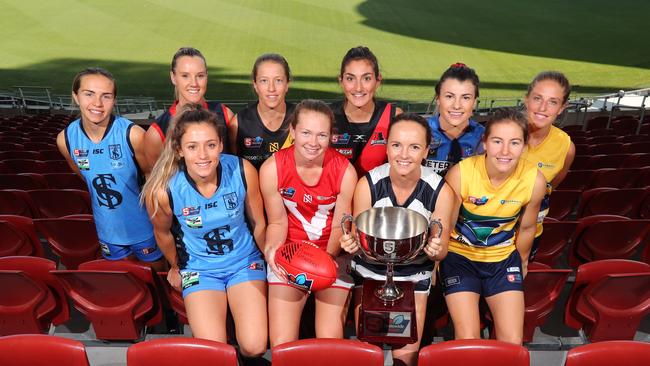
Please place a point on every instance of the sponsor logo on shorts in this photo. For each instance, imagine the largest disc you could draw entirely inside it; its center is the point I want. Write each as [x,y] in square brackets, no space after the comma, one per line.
[194,222]
[149,250]
[340,139]
[477,201]
[253,142]
[105,249]
[300,281]
[345,152]
[256,266]
[189,279]
[513,269]
[83,164]
[80,153]
[191,210]
[514,278]
[287,192]
[452,281]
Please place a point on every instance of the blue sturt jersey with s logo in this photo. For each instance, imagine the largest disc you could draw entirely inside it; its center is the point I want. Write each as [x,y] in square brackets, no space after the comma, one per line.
[113,178]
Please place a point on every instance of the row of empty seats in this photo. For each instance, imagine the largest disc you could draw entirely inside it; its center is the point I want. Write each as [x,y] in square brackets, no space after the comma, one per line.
[608,299]
[574,204]
[20,350]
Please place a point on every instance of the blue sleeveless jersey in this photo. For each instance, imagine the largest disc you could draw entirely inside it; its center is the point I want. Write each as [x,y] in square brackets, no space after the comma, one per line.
[113,178]
[212,234]
[440,147]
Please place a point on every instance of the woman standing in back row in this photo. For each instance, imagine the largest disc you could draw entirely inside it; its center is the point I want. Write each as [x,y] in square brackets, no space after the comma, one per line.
[549,147]
[361,121]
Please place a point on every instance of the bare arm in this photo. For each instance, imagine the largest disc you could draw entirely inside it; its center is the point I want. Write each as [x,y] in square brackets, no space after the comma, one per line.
[361,203]
[152,147]
[276,214]
[136,136]
[343,205]
[528,221]
[254,204]
[233,126]
[162,223]
[60,143]
[436,248]
[570,155]
[453,180]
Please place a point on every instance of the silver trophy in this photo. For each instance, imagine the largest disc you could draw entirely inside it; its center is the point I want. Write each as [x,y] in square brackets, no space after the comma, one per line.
[391,235]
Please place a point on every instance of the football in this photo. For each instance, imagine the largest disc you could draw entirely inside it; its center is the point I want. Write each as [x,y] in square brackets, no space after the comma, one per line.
[307,266]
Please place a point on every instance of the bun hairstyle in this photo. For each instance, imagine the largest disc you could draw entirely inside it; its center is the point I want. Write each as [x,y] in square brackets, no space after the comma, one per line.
[460,72]
[556,76]
[360,53]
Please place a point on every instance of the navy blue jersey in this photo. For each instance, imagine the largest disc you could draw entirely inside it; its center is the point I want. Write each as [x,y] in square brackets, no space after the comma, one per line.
[212,233]
[113,178]
[439,150]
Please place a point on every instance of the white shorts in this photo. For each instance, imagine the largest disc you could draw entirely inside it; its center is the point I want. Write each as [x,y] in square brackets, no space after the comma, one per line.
[343,277]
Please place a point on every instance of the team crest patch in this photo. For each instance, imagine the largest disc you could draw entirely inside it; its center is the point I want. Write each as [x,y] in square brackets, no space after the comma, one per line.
[378,139]
[80,153]
[230,200]
[83,164]
[191,211]
[435,143]
[115,151]
[194,222]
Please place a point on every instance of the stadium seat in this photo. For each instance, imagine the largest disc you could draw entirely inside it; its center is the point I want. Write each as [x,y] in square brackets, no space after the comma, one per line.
[581,162]
[24,307]
[39,146]
[14,139]
[44,139]
[599,132]
[633,138]
[18,237]
[643,179]
[625,126]
[5,169]
[17,202]
[60,202]
[628,353]
[26,165]
[598,122]
[10,146]
[115,302]
[563,203]
[606,148]
[340,352]
[37,318]
[576,179]
[140,270]
[52,155]
[181,351]
[600,237]
[175,298]
[601,139]
[20,154]
[637,147]
[74,240]
[65,181]
[605,161]
[542,289]
[615,178]
[555,238]
[41,350]
[580,314]
[484,352]
[24,181]
[581,149]
[624,202]
[578,139]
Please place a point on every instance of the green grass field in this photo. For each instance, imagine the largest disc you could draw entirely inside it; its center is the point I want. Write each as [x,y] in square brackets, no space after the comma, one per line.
[601,45]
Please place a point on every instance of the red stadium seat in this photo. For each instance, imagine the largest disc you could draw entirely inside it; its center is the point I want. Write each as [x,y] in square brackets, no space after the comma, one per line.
[140,270]
[175,298]
[24,181]
[625,126]
[15,139]
[20,154]
[623,202]
[578,139]
[637,147]
[39,146]
[606,148]
[601,139]
[52,155]
[41,350]
[181,351]
[24,307]
[582,149]
[581,162]
[643,179]
[542,289]
[17,202]
[562,203]
[633,138]
[591,273]
[615,305]
[576,179]
[484,352]
[628,353]
[26,165]
[18,237]
[599,237]
[38,269]
[116,302]
[74,240]
[605,161]
[598,122]
[614,178]
[599,132]
[65,181]
[60,202]
[340,352]
[555,238]
[10,146]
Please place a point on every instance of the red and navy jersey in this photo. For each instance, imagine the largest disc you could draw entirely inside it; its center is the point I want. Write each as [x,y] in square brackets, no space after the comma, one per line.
[255,142]
[364,144]
[310,208]
[162,123]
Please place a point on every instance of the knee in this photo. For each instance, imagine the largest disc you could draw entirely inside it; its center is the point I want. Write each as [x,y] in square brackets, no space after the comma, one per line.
[511,338]
[252,349]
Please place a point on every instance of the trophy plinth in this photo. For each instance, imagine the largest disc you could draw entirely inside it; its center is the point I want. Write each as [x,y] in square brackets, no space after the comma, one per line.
[391,322]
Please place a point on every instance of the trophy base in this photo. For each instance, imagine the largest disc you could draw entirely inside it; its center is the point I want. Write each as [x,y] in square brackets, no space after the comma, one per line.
[390,322]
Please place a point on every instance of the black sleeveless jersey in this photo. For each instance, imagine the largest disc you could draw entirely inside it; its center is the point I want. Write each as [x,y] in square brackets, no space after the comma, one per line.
[220,109]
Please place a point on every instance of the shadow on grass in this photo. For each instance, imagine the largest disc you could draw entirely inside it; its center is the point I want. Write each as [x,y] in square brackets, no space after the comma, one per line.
[598,31]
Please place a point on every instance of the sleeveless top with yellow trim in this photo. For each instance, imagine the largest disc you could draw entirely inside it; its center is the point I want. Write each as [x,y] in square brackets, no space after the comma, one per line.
[549,158]
[488,218]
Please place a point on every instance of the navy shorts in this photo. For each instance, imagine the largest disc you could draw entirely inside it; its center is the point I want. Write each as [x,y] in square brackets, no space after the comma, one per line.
[484,278]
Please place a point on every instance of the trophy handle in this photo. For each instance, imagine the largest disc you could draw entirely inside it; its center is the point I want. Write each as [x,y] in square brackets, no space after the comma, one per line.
[438,224]
[345,218]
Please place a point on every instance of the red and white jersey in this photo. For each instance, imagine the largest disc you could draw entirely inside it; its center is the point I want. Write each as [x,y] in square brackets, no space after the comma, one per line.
[310,208]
